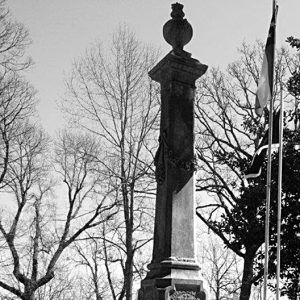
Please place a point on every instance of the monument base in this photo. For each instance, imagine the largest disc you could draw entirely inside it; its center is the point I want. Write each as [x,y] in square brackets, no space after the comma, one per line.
[179,285]
[175,289]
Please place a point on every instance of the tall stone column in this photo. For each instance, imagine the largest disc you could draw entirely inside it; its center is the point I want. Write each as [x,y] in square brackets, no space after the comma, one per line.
[173,271]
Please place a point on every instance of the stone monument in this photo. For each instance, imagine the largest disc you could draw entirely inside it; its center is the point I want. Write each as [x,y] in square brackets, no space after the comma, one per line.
[173,271]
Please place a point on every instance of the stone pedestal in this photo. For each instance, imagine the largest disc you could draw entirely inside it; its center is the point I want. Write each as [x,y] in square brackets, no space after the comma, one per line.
[173,271]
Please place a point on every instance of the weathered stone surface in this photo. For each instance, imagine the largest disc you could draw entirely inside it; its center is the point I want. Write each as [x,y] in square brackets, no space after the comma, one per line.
[174,220]
[177,290]
[185,295]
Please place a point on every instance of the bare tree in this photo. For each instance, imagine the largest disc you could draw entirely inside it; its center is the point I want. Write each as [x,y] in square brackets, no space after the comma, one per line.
[14,39]
[111,96]
[24,180]
[36,232]
[64,286]
[221,270]
[90,257]
[16,95]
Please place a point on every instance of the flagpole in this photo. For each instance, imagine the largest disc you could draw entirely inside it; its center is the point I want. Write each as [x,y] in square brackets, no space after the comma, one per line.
[268,199]
[279,195]
[269,171]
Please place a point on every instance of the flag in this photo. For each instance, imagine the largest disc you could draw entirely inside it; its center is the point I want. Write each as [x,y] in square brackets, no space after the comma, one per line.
[260,154]
[265,83]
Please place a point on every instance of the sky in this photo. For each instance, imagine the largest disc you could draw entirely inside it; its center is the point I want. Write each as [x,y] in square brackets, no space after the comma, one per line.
[61,30]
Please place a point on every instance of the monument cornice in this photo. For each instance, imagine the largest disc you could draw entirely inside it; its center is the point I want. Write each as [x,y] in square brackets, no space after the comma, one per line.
[172,66]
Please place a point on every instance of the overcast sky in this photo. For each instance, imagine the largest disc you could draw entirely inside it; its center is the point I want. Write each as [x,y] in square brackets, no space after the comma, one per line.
[62,29]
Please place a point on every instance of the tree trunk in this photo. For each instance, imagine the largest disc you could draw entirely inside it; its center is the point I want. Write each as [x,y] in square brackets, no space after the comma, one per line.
[217,294]
[128,272]
[29,297]
[128,201]
[247,277]
[28,294]
[129,276]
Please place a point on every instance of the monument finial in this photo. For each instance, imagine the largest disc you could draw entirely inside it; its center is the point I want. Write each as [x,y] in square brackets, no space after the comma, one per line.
[177,12]
[178,31]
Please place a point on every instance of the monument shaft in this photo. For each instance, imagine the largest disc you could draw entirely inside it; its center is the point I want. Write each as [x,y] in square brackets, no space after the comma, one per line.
[174,220]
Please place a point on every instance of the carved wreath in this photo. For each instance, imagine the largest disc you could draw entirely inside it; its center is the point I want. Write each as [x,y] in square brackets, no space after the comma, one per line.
[163,153]
[184,295]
